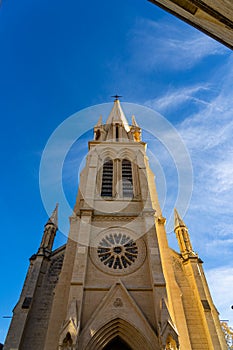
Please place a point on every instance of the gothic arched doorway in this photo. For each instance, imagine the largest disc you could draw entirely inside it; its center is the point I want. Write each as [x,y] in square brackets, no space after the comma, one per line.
[118,334]
[117,344]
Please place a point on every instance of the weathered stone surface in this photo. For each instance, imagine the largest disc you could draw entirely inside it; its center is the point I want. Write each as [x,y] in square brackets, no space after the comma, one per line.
[213,17]
[37,321]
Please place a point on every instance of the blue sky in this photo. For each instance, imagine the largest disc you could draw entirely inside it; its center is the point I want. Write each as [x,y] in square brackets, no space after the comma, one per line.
[58,58]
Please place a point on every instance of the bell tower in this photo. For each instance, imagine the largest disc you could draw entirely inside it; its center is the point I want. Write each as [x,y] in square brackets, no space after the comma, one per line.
[120,286]
[112,277]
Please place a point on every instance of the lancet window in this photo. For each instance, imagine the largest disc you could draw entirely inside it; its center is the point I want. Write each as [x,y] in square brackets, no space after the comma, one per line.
[107,178]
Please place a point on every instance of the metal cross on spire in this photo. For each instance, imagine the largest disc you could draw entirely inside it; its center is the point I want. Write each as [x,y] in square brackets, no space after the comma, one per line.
[116,97]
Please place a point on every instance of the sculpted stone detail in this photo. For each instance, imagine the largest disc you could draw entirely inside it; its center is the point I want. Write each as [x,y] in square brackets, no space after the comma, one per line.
[118,302]
[161,220]
[171,344]
[67,343]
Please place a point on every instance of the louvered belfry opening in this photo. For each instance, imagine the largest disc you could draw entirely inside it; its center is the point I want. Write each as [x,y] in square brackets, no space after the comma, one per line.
[127,179]
[107,178]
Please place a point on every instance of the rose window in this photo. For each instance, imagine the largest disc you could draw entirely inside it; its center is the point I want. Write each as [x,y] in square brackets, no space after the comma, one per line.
[117,251]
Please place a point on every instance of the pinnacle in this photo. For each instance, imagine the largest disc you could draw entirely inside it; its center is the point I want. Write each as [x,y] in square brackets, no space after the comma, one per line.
[178,222]
[99,123]
[54,217]
[134,123]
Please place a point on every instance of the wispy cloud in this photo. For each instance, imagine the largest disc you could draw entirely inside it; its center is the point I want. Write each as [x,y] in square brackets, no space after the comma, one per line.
[176,97]
[220,243]
[221,281]
[208,135]
[178,49]
[207,132]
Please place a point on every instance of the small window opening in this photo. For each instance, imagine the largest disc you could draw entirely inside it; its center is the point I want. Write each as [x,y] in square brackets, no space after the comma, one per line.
[26,303]
[97,135]
[106,190]
[117,132]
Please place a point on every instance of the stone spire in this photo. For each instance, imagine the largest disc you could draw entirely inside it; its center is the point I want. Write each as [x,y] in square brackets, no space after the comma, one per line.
[50,230]
[182,236]
[117,116]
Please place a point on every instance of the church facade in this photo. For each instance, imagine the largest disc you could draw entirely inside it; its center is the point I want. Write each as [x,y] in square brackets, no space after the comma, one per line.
[116,284]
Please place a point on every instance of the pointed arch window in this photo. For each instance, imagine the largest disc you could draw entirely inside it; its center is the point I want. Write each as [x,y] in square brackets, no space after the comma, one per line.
[107,178]
[127,178]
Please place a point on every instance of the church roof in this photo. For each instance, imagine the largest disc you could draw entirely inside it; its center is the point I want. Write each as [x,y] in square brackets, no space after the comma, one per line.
[117,116]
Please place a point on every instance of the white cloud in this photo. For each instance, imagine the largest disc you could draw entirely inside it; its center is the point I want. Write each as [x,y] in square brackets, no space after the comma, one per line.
[179,48]
[220,246]
[208,136]
[175,97]
[207,132]
[221,284]
[223,174]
